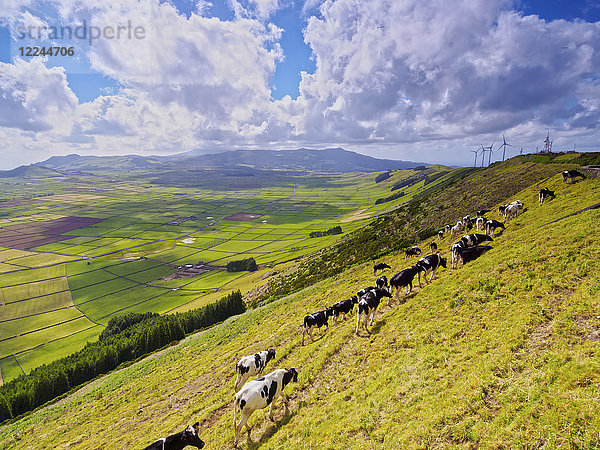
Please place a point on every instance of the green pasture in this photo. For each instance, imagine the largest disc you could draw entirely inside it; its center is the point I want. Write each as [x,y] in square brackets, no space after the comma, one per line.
[33,339]
[34,306]
[34,289]
[27,324]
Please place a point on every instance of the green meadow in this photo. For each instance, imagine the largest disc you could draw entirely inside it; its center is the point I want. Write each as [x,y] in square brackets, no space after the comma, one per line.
[502,352]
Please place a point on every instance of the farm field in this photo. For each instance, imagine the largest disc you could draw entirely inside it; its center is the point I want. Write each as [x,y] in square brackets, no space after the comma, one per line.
[76,251]
[501,352]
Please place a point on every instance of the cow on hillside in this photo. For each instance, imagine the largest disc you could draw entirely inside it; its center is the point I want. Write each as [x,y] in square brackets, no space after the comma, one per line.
[258,394]
[177,441]
[252,365]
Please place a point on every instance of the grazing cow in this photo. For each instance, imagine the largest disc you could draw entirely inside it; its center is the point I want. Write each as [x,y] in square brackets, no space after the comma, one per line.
[252,365]
[441,234]
[491,225]
[570,175]
[363,291]
[412,251]
[466,218]
[316,319]
[482,212]
[471,240]
[368,304]
[382,283]
[380,266]
[469,224]
[501,211]
[456,249]
[429,263]
[513,210]
[544,194]
[447,229]
[344,307]
[433,247]
[177,441]
[480,223]
[403,278]
[470,253]
[456,229]
[258,394]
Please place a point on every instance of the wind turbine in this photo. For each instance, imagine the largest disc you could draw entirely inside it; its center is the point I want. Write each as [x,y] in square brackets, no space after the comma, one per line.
[504,147]
[483,155]
[491,151]
[476,153]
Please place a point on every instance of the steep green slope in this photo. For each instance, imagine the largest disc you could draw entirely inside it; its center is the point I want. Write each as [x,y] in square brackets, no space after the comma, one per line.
[503,352]
[460,192]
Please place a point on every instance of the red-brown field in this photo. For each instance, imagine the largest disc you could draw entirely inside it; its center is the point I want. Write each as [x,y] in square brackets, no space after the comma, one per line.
[28,235]
[25,201]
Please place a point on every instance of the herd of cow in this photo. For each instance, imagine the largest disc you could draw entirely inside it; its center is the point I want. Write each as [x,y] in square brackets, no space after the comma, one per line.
[263,391]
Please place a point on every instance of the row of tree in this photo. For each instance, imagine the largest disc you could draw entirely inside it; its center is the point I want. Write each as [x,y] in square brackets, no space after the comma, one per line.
[129,339]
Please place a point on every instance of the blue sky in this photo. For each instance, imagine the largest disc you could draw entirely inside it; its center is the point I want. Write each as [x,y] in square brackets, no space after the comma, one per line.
[425,80]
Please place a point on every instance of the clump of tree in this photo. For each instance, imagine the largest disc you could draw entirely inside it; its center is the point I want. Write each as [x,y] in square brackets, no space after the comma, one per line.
[240,265]
[335,230]
[395,196]
[382,177]
[135,340]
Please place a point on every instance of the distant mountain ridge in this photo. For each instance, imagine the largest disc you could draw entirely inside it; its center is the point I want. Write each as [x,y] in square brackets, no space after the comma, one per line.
[327,160]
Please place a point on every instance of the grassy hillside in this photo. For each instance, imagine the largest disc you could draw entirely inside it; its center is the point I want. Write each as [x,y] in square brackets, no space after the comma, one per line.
[502,352]
[427,208]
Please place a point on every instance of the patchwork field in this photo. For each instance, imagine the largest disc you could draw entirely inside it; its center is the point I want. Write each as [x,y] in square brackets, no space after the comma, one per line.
[76,251]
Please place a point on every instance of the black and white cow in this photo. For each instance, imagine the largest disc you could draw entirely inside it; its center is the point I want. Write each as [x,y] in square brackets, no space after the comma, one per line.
[380,266]
[440,235]
[470,253]
[480,223]
[456,229]
[258,394]
[429,263]
[456,250]
[316,320]
[482,212]
[513,209]
[344,307]
[467,222]
[491,225]
[570,175]
[177,441]
[501,211]
[447,229]
[363,291]
[545,194]
[471,240]
[433,247]
[368,304]
[382,283]
[403,278]
[412,251]
[252,365]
